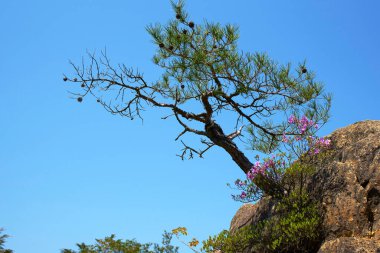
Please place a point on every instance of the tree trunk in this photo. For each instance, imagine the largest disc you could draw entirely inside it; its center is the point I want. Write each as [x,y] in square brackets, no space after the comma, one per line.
[215,134]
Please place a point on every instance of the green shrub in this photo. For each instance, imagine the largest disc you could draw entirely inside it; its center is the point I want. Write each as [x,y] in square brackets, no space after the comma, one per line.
[294,227]
[112,245]
[3,238]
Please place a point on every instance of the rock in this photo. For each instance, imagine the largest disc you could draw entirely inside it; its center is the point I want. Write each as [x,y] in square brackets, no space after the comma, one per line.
[350,245]
[243,216]
[347,186]
[251,214]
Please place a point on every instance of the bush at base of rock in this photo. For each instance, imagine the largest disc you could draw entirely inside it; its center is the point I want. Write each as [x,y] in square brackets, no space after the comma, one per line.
[294,227]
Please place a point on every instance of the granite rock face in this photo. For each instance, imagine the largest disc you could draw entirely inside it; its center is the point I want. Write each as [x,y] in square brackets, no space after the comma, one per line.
[350,245]
[347,186]
[251,214]
[243,216]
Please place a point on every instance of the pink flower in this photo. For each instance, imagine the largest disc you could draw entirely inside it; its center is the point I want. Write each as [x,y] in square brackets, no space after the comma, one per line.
[323,142]
[250,175]
[304,119]
[243,195]
[292,119]
[269,163]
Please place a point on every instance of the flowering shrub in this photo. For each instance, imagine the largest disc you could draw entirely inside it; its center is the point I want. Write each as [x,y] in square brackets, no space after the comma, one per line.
[267,176]
[295,217]
[293,224]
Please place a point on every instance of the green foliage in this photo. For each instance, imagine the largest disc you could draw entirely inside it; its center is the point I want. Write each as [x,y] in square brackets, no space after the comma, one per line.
[227,242]
[205,58]
[202,66]
[294,227]
[112,245]
[166,246]
[3,238]
[295,177]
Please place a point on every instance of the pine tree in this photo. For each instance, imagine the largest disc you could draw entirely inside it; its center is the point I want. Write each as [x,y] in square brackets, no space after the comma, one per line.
[204,78]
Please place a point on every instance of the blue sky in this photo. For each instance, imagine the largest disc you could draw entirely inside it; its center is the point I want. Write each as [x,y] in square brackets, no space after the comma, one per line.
[71,172]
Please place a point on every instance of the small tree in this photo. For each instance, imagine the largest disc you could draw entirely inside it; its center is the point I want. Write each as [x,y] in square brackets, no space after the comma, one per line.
[112,245]
[205,77]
